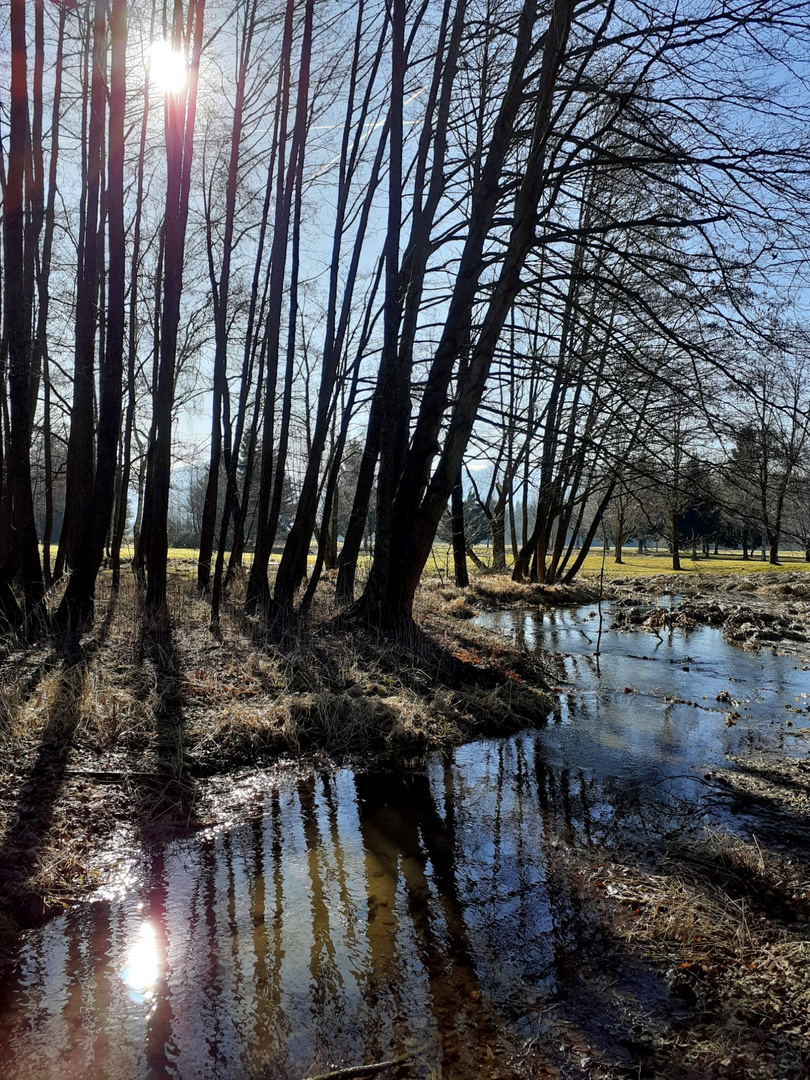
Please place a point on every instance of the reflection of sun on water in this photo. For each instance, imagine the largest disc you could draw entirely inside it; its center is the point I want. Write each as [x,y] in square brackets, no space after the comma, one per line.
[167,68]
[141,971]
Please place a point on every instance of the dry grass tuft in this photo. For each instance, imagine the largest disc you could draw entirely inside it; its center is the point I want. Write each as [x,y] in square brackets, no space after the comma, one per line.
[460,608]
[727,921]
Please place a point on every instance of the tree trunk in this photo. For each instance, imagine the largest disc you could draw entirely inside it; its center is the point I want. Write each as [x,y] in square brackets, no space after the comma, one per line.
[258,588]
[36,202]
[209,511]
[132,346]
[388,597]
[180,115]
[499,537]
[23,557]
[43,293]
[352,541]
[619,536]
[462,578]
[220,289]
[80,465]
[512,525]
[591,533]
[676,554]
[76,608]
[292,567]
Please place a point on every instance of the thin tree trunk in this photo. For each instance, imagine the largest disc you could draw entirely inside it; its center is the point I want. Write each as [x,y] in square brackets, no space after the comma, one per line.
[238,507]
[582,554]
[676,552]
[43,291]
[462,578]
[79,471]
[36,181]
[258,587]
[132,346]
[292,567]
[499,534]
[221,289]
[619,534]
[23,558]
[352,541]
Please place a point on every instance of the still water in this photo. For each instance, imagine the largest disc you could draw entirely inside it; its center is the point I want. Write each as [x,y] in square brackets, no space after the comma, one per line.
[351,916]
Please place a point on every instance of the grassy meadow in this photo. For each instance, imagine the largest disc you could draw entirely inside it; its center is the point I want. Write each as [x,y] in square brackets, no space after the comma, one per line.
[183,561]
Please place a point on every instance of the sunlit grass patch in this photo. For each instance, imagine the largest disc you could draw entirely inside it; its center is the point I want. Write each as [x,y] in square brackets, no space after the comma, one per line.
[635,565]
[183,562]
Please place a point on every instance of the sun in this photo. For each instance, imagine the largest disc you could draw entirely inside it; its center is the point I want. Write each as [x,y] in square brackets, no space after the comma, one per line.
[167,68]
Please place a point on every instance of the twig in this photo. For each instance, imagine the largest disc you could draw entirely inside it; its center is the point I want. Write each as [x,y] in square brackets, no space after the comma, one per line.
[112,775]
[601,593]
[371,1069]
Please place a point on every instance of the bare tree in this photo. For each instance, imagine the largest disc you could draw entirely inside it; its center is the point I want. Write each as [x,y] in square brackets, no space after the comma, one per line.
[179,117]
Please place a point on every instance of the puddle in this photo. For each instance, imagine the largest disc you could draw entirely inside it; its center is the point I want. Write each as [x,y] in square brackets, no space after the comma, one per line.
[353,915]
[646,708]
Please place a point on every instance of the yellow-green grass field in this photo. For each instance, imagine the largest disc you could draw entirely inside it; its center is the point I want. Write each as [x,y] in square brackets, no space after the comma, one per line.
[727,562]
[184,562]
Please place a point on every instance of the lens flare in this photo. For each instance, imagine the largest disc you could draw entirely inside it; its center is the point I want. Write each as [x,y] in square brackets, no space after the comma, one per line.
[167,68]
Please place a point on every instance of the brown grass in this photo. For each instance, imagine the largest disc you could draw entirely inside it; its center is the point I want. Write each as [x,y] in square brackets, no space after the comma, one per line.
[726,920]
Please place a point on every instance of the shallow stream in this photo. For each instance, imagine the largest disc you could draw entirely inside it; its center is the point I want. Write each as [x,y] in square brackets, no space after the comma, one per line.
[345,917]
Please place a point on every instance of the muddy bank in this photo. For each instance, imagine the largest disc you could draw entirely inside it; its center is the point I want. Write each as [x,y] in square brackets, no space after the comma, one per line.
[752,613]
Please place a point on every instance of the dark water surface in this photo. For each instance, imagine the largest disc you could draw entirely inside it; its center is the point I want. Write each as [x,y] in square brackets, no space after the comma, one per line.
[352,916]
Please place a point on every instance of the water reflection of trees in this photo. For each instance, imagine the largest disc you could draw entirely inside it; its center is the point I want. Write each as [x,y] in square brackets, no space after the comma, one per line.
[356,915]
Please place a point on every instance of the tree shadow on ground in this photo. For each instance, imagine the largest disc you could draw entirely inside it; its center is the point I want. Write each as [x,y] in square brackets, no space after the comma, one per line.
[32,818]
[697,962]
[24,669]
[167,796]
[500,689]
[775,796]
[22,675]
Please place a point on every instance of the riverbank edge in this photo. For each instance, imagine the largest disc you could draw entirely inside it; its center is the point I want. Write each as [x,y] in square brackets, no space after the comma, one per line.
[110,746]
